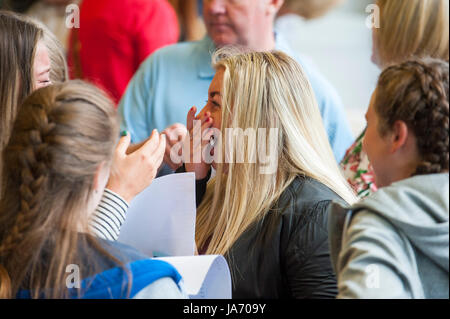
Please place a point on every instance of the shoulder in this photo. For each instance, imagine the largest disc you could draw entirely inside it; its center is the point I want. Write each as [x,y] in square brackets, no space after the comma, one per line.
[305,203]
[306,193]
[187,53]
[143,270]
[323,89]
[164,288]
[326,94]
[122,252]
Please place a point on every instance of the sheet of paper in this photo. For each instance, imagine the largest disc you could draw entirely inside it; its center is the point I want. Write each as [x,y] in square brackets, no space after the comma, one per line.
[161,220]
[205,277]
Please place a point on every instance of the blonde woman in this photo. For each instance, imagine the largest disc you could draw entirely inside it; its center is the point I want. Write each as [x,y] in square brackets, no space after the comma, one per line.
[414,28]
[266,215]
[57,163]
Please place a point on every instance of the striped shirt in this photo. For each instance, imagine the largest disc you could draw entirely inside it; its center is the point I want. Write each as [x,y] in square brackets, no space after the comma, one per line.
[109,216]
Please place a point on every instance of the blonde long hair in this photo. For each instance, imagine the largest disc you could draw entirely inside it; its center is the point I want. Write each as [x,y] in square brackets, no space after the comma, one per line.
[61,136]
[264,90]
[412,28]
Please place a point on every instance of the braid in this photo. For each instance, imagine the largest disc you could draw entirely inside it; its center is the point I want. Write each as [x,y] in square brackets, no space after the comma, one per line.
[61,135]
[32,162]
[416,92]
[432,135]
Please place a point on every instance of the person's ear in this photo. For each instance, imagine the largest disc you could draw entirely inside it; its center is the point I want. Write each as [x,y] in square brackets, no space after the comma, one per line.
[399,136]
[273,6]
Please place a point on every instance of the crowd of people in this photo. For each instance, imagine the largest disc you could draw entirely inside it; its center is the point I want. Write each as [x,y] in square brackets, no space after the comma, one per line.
[315,218]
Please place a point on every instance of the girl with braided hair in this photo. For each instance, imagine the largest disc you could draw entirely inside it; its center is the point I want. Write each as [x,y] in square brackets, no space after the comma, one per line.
[395,243]
[31,57]
[57,163]
[414,28]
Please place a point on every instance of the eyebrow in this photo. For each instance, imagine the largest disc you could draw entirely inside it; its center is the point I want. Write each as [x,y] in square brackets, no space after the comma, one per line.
[213,94]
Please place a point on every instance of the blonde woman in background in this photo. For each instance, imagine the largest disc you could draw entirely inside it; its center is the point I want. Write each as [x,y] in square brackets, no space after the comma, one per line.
[414,28]
[270,226]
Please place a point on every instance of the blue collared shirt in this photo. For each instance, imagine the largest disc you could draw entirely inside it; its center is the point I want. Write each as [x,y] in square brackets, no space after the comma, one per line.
[177,77]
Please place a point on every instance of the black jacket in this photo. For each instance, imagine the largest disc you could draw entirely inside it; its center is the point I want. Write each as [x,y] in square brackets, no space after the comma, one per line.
[285,255]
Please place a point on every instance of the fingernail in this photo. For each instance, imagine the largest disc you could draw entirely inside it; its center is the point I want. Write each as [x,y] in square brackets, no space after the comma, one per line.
[123,133]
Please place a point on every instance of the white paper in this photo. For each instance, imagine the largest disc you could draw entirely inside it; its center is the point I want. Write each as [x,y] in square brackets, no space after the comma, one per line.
[205,276]
[161,220]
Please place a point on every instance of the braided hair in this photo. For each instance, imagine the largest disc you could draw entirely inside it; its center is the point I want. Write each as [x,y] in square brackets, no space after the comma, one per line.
[417,93]
[61,136]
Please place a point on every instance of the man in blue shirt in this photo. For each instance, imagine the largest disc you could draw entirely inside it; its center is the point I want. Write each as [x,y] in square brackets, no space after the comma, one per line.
[177,77]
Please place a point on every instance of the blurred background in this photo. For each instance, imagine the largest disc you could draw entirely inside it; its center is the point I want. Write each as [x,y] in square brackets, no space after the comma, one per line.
[336,40]
[340,45]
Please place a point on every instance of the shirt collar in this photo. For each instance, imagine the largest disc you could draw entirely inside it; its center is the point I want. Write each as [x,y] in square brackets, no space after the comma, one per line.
[204,65]
[207,48]
[282,45]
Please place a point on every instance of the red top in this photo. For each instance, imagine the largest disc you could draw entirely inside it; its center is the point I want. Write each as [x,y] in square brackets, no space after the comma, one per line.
[115,36]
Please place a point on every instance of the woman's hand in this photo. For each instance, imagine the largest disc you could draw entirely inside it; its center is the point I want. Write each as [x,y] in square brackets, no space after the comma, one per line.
[197,144]
[175,134]
[134,170]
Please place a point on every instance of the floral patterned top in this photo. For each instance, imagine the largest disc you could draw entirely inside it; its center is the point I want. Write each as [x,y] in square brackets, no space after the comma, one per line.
[357,170]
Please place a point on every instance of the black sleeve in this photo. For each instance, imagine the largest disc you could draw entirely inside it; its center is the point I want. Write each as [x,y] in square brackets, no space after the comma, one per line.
[200,185]
[309,272]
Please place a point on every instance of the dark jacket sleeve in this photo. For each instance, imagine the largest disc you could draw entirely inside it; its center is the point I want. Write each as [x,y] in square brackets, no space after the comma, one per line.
[308,268]
[200,185]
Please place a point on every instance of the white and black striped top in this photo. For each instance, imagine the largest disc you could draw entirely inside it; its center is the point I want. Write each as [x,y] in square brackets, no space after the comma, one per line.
[109,216]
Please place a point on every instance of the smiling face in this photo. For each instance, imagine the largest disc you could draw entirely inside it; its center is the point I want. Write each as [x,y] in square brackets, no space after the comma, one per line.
[239,22]
[41,67]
